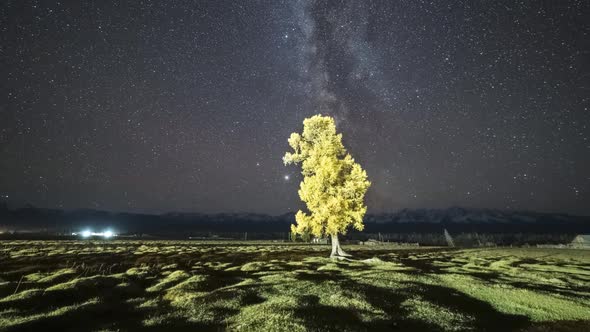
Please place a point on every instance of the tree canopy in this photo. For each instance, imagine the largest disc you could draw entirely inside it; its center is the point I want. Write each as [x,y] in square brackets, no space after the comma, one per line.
[333,186]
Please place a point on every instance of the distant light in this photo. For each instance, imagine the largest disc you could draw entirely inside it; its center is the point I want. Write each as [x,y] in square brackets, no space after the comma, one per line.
[286,177]
[86,233]
[107,234]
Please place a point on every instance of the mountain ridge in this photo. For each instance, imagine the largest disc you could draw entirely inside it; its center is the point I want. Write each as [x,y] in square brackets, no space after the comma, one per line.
[457,219]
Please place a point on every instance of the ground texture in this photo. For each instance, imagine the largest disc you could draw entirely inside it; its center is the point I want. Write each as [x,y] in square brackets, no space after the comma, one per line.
[197,286]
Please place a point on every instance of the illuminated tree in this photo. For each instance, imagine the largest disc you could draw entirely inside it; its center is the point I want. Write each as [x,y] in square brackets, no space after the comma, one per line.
[333,186]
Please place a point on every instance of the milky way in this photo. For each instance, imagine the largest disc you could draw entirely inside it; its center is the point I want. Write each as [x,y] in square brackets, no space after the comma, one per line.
[181,105]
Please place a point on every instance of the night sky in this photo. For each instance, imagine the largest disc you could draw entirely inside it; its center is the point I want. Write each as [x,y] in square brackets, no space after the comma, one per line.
[158,106]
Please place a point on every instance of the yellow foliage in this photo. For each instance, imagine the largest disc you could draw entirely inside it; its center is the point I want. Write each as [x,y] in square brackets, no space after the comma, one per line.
[333,185]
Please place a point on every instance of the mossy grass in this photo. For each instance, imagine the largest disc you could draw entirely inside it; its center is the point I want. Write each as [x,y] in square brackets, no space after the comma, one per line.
[181,285]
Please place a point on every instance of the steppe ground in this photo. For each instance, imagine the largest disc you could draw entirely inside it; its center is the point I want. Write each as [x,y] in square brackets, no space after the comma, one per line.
[253,286]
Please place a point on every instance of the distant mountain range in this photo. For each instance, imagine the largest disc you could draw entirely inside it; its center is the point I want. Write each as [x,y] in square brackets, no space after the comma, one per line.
[463,215]
[174,224]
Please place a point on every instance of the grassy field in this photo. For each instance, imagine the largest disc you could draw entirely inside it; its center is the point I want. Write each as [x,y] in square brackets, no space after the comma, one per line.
[197,286]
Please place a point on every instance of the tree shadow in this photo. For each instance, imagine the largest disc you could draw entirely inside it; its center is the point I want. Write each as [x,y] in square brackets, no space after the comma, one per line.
[570,291]
[486,316]
[559,326]
[320,276]
[318,317]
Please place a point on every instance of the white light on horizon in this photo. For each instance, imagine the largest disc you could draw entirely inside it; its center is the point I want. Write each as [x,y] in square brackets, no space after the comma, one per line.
[88,233]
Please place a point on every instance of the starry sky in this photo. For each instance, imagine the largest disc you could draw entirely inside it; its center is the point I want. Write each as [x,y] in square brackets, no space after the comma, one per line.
[157,106]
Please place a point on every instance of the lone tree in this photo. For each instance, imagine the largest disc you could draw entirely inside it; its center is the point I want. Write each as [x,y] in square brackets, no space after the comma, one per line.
[333,186]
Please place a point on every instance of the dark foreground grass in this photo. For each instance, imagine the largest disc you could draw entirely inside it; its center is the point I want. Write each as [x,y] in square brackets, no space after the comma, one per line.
[192,286]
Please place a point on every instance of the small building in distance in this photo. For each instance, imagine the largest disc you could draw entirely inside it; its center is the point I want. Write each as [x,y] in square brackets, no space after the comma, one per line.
[581,241]
[320,240]
[371,242]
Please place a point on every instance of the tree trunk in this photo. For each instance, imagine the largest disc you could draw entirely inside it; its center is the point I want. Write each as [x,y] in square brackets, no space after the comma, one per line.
[336,249]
